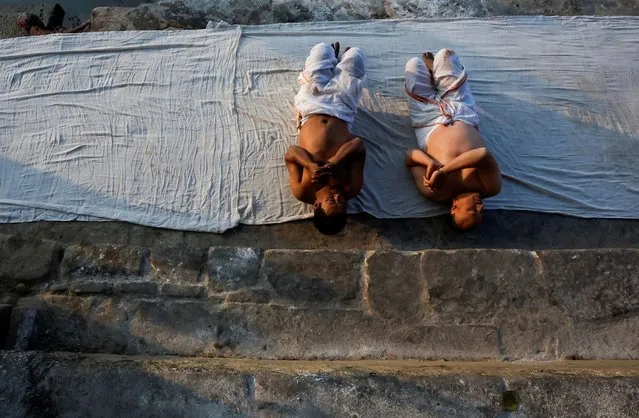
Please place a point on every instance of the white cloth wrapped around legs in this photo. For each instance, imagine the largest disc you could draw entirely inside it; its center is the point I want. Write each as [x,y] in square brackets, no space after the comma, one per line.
[329,87]
[440,99]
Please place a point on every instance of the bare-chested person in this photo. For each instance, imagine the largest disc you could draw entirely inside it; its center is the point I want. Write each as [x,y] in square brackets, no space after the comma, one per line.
[452,163]
[327,167]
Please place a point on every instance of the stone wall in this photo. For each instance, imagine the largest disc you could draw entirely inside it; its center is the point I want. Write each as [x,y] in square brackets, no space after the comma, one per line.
[306,304]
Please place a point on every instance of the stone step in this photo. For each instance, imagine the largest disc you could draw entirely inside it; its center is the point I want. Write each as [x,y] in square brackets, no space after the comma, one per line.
[500,229]
[322,304]
[64,384]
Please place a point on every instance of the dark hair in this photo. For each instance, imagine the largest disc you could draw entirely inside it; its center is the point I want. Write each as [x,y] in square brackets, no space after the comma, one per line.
[30,20]
[328,225]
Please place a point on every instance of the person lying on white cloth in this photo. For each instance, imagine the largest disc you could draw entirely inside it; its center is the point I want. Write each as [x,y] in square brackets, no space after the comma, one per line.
[452,163]
[326,168]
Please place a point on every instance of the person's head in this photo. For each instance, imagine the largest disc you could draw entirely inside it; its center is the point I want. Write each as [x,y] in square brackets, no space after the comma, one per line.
[330,212]
[467,211]
[27,21]
[23,23]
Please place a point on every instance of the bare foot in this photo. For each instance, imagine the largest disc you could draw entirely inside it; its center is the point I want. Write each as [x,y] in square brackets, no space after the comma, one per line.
[429,59]
[336,48]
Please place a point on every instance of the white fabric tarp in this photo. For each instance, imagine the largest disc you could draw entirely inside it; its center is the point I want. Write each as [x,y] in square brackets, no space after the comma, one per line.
[188,129]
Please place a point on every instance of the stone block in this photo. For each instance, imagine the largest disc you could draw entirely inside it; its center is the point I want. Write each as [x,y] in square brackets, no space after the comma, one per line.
[532,334]
[92,286]
[593,284]
[5,320]
[183,290]
[248,296]
[178,265]
[25,322]
[373,394]
[61,287]
[473,286]
[233,268]
[199,328]
[315,277]
[137,287]
[396,286]
[64,385]
[104,261]
[76,324]
[27,260]
[617,340]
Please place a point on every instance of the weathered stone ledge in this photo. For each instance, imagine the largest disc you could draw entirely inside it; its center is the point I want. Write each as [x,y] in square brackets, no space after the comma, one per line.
[62,384]
[247,302]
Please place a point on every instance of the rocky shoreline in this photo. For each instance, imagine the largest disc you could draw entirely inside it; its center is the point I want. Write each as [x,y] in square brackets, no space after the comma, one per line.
[194,14]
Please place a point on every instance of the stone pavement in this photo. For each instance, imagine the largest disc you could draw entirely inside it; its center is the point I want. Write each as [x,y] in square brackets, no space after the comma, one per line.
[43,384]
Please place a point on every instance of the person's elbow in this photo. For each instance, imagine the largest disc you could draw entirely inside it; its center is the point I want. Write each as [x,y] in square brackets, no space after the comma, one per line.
[290,154]
[483,153]
[351,191]
[493,188]
[408,158]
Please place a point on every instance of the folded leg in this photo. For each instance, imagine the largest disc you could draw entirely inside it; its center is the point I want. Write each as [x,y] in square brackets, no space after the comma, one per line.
[349,77]
[450,79]
[425,114]
[319,66]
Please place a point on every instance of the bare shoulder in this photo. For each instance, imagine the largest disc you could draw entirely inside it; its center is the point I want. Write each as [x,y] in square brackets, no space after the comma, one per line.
[489,176]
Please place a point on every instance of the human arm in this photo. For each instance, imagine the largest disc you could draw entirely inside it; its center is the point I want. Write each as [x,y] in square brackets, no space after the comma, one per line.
[298,155]
[356,177]
[418,176]
[350,149]
[487,171]
[297,159]
[345,156]
[418,158]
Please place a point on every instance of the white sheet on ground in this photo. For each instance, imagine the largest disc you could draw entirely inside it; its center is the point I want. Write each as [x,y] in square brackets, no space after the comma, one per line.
[187,129]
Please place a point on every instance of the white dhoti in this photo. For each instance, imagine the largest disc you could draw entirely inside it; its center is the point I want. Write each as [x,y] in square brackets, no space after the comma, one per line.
[329,87]
[441,99]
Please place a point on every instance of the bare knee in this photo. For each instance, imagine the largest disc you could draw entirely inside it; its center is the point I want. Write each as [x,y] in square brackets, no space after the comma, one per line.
[352,52]
[415,65]
[322,52]
[354,62]
[444,54]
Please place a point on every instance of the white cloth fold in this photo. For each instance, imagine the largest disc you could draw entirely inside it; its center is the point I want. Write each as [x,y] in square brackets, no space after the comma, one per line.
[329,87]
[438,99]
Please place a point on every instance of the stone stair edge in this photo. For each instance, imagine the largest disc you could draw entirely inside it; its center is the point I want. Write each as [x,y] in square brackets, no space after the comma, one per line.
[490,367]
[37,265]
[58,248]
[61,384]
